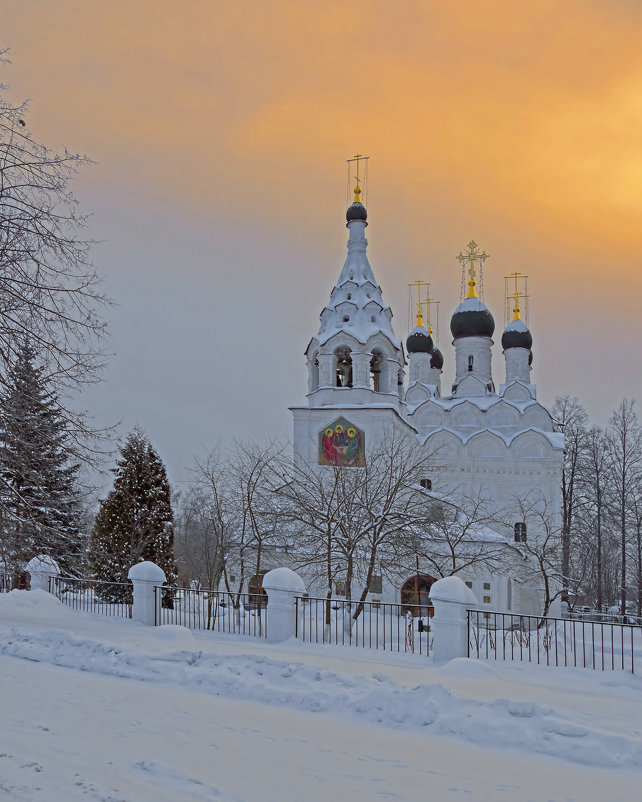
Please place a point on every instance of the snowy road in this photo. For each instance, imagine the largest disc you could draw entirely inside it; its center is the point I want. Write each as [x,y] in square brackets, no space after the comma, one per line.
[141,714]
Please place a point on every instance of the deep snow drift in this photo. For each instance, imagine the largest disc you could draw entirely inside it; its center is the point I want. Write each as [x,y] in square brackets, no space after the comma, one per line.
[106,709]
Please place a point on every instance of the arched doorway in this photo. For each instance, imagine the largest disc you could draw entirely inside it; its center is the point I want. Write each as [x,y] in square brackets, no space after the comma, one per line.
[257,597]
[415,595]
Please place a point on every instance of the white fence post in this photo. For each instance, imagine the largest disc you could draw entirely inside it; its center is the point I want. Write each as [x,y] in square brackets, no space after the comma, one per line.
[145,576]
[451,598]
[282,585]
[40,568]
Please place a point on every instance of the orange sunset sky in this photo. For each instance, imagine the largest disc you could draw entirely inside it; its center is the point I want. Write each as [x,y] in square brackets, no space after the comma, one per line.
[221,130]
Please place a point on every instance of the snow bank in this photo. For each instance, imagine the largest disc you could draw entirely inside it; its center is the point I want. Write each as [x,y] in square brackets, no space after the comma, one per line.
[572,715]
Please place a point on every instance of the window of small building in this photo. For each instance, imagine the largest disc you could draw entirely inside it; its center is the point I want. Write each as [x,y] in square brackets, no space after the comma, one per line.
[376,584]
[469,584]
[426,484]
[520,532]
[340,589]
[486,585]
[486,599]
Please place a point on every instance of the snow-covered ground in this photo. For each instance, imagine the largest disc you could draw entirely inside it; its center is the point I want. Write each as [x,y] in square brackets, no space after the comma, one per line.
[106,709]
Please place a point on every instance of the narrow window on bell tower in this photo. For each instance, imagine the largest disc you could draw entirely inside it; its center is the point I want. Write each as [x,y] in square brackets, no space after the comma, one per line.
[470,363]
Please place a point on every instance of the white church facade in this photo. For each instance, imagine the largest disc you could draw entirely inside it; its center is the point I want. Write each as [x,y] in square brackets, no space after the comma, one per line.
[499,444]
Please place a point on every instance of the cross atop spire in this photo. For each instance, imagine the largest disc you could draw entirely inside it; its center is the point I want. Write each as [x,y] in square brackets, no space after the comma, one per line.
[468,259]
[358,179]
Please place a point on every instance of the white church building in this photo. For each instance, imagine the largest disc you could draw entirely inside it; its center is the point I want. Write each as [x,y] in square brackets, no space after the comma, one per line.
[498,443]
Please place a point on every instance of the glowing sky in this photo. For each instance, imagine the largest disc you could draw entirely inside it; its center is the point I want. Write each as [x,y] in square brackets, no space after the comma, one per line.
[221,132]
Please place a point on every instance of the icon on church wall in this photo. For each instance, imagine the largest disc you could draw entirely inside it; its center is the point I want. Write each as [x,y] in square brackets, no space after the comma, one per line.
[341,443]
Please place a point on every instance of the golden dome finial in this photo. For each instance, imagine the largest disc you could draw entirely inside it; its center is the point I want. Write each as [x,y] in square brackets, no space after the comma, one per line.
[357,194]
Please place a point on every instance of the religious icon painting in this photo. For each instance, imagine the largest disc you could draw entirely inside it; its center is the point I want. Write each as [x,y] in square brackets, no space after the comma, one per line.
[342,443]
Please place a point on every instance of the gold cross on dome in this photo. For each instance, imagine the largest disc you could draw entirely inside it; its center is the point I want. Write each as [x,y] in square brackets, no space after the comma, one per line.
[357,190]
[419,284]
[469,258]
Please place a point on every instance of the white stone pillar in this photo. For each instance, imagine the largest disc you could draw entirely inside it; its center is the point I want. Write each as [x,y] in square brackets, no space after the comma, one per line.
[40,569]
[282,586]
[451,599]
[145,576]
[327,377]
[361,369]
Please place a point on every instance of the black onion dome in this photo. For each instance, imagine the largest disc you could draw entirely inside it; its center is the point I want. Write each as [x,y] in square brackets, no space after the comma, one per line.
[419,341]
[437,360]
[516,335]
[472,318]
[356,212]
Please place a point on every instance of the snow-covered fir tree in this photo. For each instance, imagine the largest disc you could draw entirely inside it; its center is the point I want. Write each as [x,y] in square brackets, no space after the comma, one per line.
[135,522]
[40,505]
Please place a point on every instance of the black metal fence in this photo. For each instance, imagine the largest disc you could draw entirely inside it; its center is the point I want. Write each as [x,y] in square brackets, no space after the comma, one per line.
[554,641]
[6,583]
[368,625]
[94,596]
[233,613]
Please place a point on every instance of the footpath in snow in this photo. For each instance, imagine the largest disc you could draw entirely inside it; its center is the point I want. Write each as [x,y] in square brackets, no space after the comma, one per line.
[108,709]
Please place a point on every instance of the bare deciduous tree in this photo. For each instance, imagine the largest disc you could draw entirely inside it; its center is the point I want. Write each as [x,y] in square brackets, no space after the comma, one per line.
[49,292]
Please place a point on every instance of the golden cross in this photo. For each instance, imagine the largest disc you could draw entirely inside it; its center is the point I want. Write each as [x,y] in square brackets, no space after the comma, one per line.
[469,258]
[419,284]
[430,302]
[357,190]
[516,295]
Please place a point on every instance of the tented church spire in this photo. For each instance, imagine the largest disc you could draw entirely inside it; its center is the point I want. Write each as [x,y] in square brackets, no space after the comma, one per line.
[355,347]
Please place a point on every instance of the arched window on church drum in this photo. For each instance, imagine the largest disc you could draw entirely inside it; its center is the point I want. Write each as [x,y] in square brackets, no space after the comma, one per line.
[343,366]
[520,532]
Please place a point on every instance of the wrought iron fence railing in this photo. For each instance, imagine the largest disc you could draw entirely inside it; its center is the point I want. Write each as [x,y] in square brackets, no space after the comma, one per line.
[554,641]
[6,583]
[93,595]
[369,625]
[218,611]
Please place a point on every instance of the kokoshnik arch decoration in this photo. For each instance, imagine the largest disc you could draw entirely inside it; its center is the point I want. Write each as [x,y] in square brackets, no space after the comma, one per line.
[342,443]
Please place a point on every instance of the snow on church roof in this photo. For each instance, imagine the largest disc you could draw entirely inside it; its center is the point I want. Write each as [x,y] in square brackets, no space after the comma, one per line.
[356,305]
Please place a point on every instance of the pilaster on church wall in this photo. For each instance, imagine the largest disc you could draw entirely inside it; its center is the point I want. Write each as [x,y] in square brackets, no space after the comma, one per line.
[361,368]
[326,362]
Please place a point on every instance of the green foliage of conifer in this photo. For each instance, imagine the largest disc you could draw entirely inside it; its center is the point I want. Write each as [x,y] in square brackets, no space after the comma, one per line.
[135,522]
[40,506]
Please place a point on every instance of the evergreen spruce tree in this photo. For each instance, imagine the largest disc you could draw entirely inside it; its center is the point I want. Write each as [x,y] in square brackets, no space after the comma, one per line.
[135,522]
[40,506]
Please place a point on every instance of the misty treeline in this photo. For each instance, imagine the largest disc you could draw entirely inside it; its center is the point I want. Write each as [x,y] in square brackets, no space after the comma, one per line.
[51,335]
[601,538]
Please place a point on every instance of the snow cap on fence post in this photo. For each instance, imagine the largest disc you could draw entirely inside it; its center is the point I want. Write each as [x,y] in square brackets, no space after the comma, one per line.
[282,585]
[40,568]
[451,598]
[145,576]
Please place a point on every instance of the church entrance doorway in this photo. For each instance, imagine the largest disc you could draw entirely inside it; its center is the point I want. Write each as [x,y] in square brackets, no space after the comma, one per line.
[415,595]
